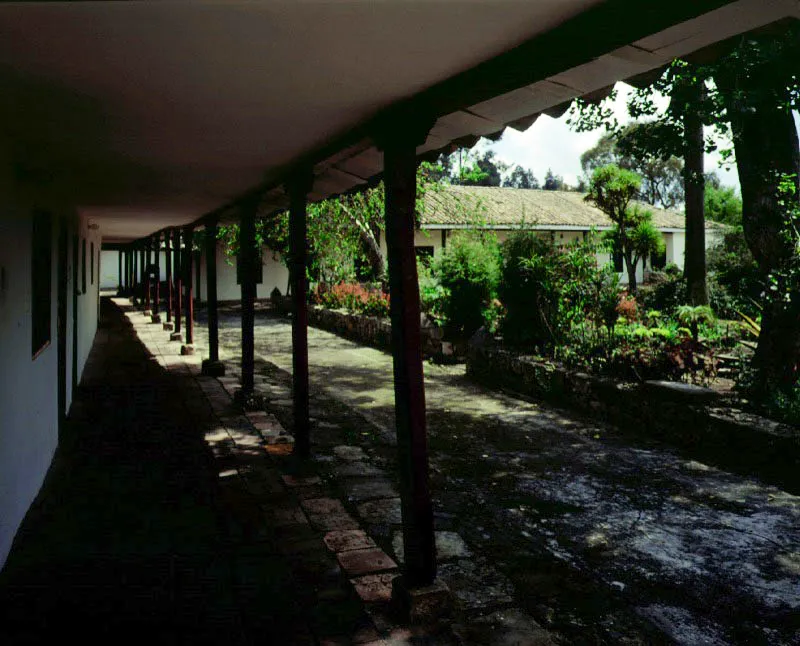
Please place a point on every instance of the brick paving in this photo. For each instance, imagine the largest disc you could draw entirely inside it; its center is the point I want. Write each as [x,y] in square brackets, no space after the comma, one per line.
[170,514]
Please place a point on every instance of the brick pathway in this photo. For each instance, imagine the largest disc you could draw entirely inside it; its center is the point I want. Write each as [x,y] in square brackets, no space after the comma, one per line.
[171,516]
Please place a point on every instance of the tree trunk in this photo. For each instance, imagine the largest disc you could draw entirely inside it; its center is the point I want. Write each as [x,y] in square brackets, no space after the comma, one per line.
[374,255]
[630,266]
[694,179]
[766,146]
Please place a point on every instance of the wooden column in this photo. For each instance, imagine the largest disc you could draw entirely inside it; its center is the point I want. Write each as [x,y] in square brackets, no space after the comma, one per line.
[188,255]
[142,276]
[400,168]
[168,259]
[176,264]
[147,245]
[212,366]
[298,190]
[157,286]
[247,264]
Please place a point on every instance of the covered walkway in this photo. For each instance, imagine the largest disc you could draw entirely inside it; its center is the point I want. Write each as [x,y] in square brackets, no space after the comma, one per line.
[164,517]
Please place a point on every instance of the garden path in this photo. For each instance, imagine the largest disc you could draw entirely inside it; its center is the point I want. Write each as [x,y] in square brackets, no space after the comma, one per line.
[603,540]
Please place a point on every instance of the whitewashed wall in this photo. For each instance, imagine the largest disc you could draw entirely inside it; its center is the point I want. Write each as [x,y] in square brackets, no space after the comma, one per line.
[276,274]
[29,384]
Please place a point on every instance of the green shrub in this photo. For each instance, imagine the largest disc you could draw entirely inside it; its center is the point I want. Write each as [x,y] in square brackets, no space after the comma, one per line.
[468,272]
[550,294]
[665,292]
[734,282]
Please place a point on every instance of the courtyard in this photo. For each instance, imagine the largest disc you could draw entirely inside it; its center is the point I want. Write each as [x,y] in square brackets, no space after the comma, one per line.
[599,538]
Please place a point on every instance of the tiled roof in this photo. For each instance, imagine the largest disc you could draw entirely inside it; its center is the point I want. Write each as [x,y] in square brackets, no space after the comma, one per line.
[497,207]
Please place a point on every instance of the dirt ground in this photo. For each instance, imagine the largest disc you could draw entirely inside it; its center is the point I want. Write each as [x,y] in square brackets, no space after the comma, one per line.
[606,541]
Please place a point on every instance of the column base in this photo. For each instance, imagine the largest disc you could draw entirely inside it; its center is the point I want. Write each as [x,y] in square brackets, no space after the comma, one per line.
[176,336]
[147,312]
[421,605]
[187,349]
[155,318]
[248,400]
[211,368]
[169,326]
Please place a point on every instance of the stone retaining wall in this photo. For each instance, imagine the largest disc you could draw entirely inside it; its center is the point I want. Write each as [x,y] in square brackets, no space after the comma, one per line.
[692,418]
[369,330]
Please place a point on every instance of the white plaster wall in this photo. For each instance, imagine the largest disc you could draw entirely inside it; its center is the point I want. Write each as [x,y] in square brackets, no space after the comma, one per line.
[29,385]
[276,274]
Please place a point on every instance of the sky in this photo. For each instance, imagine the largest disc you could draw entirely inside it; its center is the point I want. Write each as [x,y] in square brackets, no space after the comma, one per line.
[550,143]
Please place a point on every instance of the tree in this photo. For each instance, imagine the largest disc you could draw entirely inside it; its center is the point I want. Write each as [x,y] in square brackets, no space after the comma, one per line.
[553,182]
[758,89]
[754,91]
[612,189]
[521,177]
[662,179]
[721,202]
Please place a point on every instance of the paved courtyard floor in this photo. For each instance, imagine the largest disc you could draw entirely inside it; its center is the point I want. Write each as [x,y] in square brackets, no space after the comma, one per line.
[598,538]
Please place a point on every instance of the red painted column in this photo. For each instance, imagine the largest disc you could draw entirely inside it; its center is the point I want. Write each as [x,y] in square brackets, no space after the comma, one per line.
[188,255]
[168,258]
[400,167]
[178,283]
[298,189]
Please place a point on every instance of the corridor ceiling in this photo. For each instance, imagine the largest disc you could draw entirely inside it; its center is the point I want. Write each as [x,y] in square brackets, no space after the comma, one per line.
[151,114]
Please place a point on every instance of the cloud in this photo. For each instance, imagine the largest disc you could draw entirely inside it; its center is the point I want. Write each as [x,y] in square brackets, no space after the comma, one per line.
[550,143]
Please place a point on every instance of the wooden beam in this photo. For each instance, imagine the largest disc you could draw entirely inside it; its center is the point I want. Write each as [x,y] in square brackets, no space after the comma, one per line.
[298,190]
[400,168]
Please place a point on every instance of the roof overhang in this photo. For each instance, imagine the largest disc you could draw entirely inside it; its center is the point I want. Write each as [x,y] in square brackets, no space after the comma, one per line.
[152,114]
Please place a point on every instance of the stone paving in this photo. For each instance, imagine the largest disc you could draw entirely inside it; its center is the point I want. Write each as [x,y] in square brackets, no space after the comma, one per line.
[555,520]
[170,515]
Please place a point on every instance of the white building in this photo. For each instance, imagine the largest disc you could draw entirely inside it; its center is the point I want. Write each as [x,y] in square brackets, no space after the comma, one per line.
[564,215]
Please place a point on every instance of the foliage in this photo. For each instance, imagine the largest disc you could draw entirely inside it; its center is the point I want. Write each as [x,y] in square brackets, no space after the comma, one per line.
[692,316]
[468,272]
[735,282]
[432,295]
[662,179]
[547,290]
[553,182]
[665,290]
[612,189]
[721,202]
[521,177]
[354,298]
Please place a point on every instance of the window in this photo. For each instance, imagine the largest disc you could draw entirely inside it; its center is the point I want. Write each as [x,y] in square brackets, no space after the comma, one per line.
[41,283]
[616,257]
[424,253]
[91,261]
[83,266]
[659,260]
